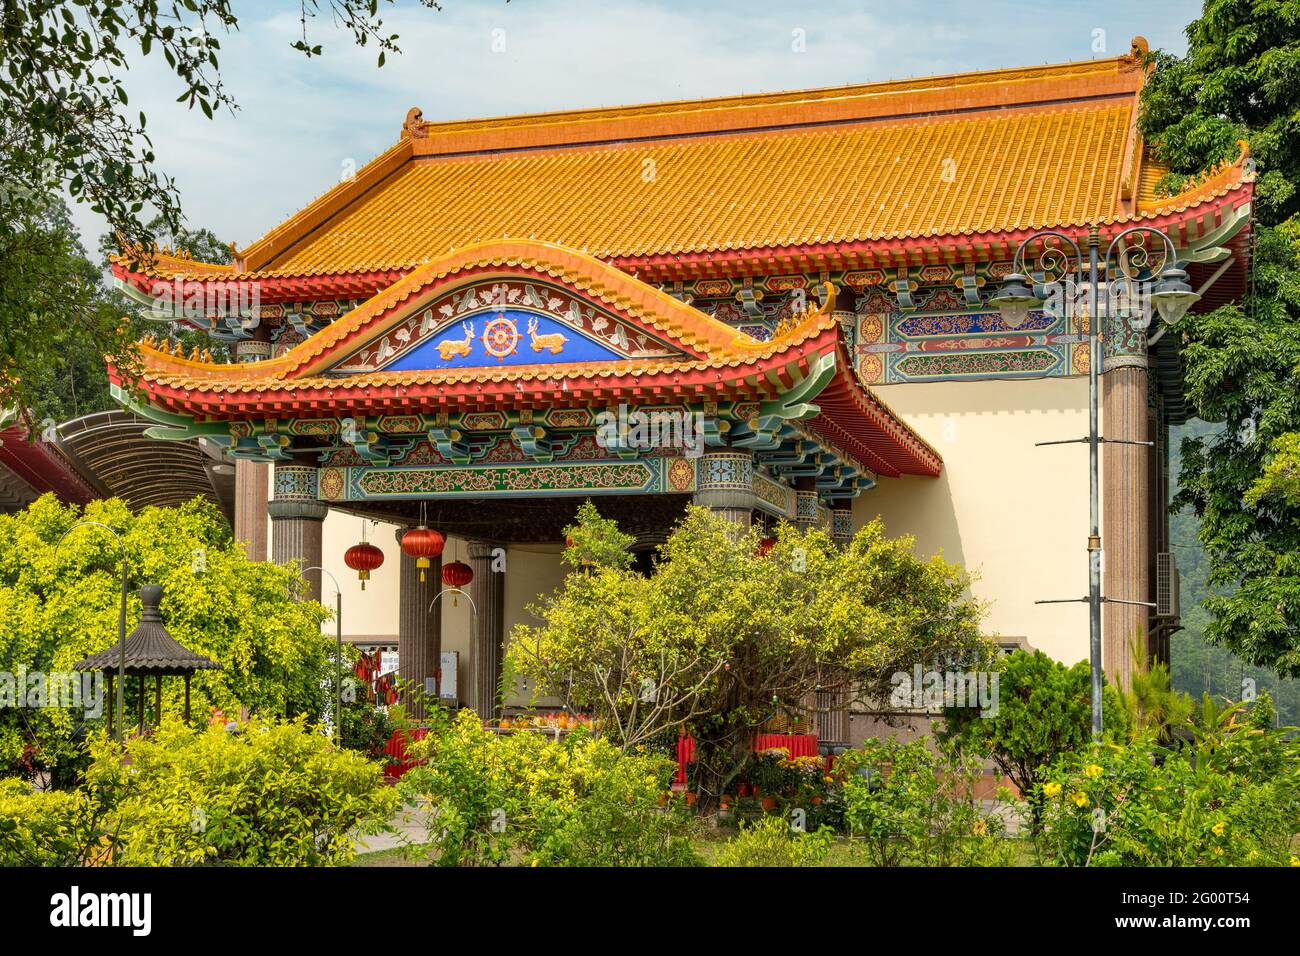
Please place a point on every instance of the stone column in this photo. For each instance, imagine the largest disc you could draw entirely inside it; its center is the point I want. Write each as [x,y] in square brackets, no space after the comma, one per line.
[250,507]
[487,590]
[842,521]
[805,503]
[251,477]
[1126,502]
[725,483]
[419,632]
[299,518]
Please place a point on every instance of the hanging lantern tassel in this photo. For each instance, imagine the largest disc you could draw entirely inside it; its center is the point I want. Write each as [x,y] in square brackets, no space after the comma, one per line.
[363,558]
[422,544]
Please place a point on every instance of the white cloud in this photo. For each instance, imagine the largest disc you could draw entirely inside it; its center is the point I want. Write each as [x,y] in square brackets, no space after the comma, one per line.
[301,120]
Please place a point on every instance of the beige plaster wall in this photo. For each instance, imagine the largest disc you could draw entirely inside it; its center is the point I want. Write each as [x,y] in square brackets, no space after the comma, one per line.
[372,612]
[533,570]
[1014,514]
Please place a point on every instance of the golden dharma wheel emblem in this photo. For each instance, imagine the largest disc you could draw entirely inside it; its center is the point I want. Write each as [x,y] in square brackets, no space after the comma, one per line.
[501,337]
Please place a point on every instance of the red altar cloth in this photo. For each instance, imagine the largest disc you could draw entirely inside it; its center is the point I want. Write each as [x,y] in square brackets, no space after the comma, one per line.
[797,745]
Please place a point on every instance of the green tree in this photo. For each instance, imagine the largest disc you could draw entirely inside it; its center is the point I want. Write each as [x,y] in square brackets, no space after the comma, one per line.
[1240,79]
[1241,370]
[718,639]
[67,127]
[1044,710]
[55,316]
[58,607]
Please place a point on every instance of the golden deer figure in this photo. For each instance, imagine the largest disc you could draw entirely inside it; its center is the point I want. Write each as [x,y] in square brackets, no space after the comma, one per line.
[451,348]
[552,342]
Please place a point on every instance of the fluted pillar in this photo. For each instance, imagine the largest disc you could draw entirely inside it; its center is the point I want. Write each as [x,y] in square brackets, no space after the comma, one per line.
[419,631]
[1126,514]
[299,520]
[487,590]
[251,477]
[251,525]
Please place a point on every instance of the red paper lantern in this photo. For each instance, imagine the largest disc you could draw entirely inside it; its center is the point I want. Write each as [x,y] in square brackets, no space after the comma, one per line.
[765,547]
[422,544]
[363,558]
[457,574]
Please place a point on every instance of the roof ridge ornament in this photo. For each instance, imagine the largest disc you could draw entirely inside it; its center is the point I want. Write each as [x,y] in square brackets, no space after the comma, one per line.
[413,127]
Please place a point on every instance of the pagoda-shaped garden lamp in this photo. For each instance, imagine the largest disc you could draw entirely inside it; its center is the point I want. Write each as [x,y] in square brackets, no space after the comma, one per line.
[150,652]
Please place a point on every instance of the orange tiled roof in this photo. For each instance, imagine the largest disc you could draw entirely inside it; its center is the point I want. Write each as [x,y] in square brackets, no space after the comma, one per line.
[740,192]
[954,155]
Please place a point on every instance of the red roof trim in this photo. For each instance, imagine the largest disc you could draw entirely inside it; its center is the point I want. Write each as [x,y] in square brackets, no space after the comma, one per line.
[42,467]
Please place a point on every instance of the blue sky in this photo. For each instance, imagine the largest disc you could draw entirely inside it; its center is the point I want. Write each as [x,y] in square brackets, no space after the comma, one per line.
[303,123]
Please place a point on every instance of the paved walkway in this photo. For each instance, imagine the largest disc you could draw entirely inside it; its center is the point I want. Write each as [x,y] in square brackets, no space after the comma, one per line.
[408,828]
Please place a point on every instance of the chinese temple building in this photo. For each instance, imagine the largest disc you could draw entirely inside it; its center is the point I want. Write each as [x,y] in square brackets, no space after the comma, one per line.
[445,337]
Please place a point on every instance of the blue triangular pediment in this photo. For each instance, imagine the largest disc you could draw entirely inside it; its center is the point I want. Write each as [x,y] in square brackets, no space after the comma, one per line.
[504,337]
[506,323]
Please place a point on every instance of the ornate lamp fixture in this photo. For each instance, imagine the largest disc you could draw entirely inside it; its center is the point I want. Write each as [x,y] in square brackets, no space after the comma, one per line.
[1015,299]
[1172,295]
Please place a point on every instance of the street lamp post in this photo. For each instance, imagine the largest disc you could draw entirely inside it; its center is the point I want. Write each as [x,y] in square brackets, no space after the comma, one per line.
[338,653]
[121,619]
[1172,297]
[473,637]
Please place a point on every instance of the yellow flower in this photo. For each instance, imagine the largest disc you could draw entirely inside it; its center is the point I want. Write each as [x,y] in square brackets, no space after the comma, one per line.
[980,828]
[1092,770]
[1080,799]
[1295,860]
[1219,827]
[828,779]
[1051,789]
[1218,851]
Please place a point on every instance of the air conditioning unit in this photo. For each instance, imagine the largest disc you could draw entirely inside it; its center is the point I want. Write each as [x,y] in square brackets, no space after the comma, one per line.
[1167,586]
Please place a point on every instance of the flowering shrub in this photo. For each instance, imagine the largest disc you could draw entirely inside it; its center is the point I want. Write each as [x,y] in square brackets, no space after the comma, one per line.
[911,805]
[274,793]
[771,841]
[523,797]
[1044,710]
[50,828]
[1229,798]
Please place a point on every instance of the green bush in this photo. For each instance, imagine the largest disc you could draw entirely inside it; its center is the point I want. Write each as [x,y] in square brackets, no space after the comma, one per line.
[60,603]
[49,828]
[912,805]
[1229,797]
[366,727]
[1044,710]
[274,793]
[771,841]
[525,798]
